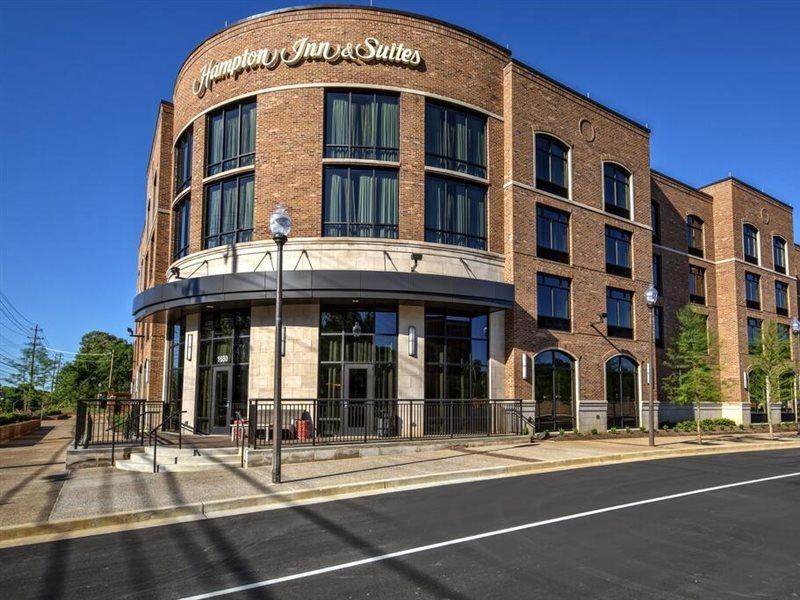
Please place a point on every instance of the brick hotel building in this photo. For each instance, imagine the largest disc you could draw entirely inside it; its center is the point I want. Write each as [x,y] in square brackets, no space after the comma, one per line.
[464,227]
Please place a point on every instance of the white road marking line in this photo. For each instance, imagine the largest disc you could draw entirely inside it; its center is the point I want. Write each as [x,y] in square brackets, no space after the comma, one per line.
[478,536]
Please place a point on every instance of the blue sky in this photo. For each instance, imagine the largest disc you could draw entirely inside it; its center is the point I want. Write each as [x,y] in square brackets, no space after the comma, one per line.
[717,82]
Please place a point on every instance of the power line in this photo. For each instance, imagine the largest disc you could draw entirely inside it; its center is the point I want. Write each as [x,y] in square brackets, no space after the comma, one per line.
[12,318]
[3,297]
[16,329]
[77,353]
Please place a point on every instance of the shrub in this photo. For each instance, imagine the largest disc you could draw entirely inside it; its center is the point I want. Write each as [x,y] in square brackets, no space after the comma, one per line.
[613,430]
[561,432]
[7,418]
[594,431]
[525,430]
[705,425]
[575,431]
[547,434]
[627,430]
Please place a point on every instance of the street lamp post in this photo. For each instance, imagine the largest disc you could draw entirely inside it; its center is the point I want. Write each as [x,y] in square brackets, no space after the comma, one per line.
[651,297]
[796,332]
[280,224]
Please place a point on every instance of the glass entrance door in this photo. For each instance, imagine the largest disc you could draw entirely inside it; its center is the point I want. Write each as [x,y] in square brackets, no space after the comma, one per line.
[357,416]
[221,399]
[621,392]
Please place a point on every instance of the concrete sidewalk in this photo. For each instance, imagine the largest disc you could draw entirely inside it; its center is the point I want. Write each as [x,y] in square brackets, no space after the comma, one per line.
[32,472]
[91,492]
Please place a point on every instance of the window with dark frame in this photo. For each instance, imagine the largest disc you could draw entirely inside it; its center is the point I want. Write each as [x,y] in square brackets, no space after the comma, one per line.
[694,235]
[360,202]
[231,137]
[655,221]
[456,355]
[455,139]
[180,228]
[697,284]
[618,252]
[455,212]
[552,165]
[750,237]
[175,354]
[183,161]
[752,290]
[782,298]
[617,190]
[779,254]
[552,234]
[362,125]
[658,324]
[552,302]
[782,329]
[619,311]
[753,335]
[228,215]
[657,272]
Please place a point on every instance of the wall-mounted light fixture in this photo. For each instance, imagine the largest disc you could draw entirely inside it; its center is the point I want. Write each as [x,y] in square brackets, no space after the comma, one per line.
[746,380]
[525,365]
[175,272]
[412,340]
[415,257]
[189,345]
[283,341]
[134,335]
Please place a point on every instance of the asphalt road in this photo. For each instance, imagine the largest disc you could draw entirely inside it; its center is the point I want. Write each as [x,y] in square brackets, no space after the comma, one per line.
[735,542]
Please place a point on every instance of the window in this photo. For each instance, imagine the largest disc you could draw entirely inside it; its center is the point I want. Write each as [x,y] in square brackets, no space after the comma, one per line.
[176,343]
[753,335]
[552,170]
[554,390]
[750,243]
[456,355]
[363,337]
[697,284]
[655,222]
[229,211]
[552,234]
[360,203]
[618,252]
[779,254]
[183,162]
[619,308]
[455,139]
[658,325]
[455,212]
[552,294]
[617,190]
[621,392]
[657,272]
[782,298]
[752,290]
[362,125]
[231,139]
[180,229]
[694,235]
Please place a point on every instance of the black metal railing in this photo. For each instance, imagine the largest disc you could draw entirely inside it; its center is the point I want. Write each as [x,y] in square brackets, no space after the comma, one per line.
[315,421]
[102,422]
[152,436]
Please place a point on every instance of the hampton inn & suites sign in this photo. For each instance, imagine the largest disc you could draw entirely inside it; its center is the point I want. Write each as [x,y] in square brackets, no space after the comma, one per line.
[370,51]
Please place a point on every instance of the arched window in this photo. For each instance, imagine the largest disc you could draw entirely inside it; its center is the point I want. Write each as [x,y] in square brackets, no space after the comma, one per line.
[552,165]
[554,390]
[694,235]
[779,254]
[750,239]
[621,392]
[787,391]
[757,394]
[617,190]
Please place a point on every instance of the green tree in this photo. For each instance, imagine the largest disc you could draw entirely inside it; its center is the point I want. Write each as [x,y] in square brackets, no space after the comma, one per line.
[694,377]
[36,362]
[87,375]
[771,359]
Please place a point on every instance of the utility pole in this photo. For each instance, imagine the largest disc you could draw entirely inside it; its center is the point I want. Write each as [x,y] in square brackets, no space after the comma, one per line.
[33,364]
[110,372]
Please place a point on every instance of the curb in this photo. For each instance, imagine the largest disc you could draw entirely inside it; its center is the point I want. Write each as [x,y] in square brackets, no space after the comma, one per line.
[17,534]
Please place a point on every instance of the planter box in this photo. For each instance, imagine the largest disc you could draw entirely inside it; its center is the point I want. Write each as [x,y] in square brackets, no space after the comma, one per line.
[15,430]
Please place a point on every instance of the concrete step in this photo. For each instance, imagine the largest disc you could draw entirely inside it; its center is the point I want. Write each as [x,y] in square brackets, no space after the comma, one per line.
[186,459]
[172,451]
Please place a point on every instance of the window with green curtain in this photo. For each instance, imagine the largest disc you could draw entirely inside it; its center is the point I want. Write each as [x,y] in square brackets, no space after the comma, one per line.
[455,212]
[183,161]
[362,125]
[229,211]
[455,139]
[231,137]
[180,229]
[360,202]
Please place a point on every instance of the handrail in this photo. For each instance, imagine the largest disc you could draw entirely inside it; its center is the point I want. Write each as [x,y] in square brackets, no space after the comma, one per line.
[241,435]
[113,429]
[155,440]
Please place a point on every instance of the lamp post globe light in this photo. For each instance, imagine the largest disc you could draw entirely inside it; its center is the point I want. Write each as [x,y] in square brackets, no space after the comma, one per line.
[651,297]
[796,332]
[280,225]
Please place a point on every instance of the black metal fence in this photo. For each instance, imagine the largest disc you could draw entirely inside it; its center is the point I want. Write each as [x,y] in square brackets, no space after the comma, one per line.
[318,421]
[105,422]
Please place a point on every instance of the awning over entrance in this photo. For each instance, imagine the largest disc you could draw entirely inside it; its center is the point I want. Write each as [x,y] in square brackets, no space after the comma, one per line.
[323,285]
